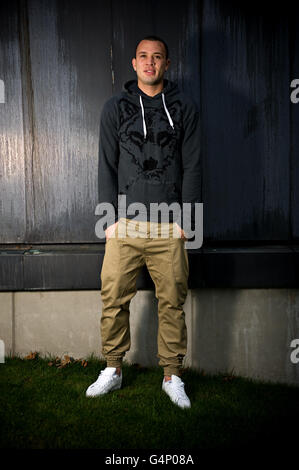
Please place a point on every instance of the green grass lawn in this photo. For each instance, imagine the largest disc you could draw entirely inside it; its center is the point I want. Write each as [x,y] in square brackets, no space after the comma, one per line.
[45,407]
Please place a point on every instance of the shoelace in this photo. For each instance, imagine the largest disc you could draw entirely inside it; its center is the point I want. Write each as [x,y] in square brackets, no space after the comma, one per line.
[181,391]
[110,377]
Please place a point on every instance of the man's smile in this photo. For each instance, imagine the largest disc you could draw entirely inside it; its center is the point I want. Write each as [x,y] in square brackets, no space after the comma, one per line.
[149,72]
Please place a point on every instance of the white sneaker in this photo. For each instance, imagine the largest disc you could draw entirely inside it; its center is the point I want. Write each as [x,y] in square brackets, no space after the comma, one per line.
[175,389]
[107,381]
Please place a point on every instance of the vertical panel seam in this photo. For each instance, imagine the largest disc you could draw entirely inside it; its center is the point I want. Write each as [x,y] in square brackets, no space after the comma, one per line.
[111,47]
[27,111]
[290,43]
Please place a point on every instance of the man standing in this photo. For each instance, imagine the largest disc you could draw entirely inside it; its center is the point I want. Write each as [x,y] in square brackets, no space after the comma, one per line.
[149,153]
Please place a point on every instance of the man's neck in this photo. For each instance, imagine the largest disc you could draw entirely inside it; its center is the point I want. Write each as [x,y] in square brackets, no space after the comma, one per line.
[151,90]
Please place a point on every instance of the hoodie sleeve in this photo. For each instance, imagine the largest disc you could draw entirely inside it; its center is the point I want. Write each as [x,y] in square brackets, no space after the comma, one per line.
[108,160]
[190,151]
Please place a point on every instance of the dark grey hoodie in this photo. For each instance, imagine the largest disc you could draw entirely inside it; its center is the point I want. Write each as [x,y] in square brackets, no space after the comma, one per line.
[149,150]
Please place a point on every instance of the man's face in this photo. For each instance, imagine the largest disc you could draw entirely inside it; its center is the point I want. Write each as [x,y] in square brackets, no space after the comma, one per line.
[150,63]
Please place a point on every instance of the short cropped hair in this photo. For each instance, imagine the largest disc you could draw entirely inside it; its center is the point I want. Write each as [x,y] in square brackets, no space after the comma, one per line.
[153,38]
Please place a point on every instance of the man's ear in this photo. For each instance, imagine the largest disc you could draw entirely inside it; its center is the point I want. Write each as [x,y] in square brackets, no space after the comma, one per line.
[167,64]
[134,63]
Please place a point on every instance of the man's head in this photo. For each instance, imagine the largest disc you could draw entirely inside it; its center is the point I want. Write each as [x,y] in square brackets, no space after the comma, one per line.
[151,60]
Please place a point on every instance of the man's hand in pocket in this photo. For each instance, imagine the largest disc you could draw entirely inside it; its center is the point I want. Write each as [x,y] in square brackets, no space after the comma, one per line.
[183,235]
[109,230]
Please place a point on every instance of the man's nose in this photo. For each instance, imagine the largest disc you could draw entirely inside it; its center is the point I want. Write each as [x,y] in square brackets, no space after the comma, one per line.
[150,61]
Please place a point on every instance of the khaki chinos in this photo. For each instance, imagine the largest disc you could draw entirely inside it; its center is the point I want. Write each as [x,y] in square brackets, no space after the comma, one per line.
[160,247]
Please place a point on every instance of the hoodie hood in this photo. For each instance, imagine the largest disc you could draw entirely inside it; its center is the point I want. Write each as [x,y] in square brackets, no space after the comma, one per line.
[131,87]
[170,89]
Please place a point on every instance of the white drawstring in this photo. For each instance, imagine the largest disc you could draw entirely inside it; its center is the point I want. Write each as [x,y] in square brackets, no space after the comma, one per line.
[143,119]
[144,126]
[167,112]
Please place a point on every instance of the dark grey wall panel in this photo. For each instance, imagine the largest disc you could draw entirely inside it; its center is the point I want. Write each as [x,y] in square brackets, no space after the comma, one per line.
[67,267]
[183,37]
[175,21]
[130,20]
[12,165]
[62,271]
[11,270]
[245,121]
[71,78]
[62,59]
[294,114]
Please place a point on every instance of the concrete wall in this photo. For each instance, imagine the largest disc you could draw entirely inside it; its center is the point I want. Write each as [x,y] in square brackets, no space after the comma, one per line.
[247,331]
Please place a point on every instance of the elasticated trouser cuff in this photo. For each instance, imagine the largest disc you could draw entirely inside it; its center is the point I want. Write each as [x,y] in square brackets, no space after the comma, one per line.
[172,370]
[114,361]
[169,370]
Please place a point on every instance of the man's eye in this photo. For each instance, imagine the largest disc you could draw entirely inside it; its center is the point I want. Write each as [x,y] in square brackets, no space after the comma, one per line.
[157,56]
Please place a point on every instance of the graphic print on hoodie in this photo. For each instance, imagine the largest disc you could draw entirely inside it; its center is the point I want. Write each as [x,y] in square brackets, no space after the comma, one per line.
[149,150]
